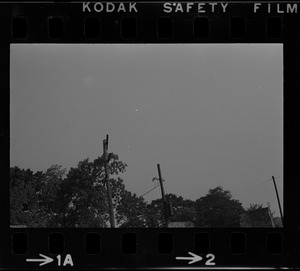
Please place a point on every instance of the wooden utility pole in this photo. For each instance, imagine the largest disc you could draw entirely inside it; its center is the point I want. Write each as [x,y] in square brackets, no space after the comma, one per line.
[163,196]
[107,181]
[278,200]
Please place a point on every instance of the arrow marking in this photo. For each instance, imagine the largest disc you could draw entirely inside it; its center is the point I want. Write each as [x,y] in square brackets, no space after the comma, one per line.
[193,259]
[43,261]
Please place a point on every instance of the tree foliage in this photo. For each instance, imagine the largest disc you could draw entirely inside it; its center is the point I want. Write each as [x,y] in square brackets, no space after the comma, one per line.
[56,199]
[178,210]
[22,196]
[82,195]
[129,208]
[154,214]
[218,209]
[182,209]
[78,198]
[257,216]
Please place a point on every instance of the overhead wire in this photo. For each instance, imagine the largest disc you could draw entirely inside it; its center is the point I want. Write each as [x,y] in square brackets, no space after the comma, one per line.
[254,187]
[245,191]
[139,212]
[149,191]
[251,188]
[142,196]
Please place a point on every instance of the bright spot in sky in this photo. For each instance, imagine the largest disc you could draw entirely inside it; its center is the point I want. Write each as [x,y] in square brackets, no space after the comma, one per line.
[136,110]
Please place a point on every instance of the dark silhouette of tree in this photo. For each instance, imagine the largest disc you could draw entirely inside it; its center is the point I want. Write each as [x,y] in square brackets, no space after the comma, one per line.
[47,186]
[179,210]
[218,209]
[83,194]
[154,214]
[182,209]
[76,199]
[130,210]
[258,216]
[33,196]
[22,196]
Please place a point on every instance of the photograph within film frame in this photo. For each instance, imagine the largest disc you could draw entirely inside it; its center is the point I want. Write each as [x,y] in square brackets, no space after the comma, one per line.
[137,134]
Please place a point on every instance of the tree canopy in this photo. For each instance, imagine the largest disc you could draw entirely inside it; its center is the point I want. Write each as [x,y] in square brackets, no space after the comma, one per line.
[78,198]
[54,198]
[218,209]
[257,216]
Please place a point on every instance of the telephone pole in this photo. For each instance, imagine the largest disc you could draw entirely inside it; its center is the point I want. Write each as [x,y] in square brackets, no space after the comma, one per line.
[107,181]
[278,200]
[163,196]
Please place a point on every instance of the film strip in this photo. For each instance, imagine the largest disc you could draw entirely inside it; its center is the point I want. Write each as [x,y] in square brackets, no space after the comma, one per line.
[171,244]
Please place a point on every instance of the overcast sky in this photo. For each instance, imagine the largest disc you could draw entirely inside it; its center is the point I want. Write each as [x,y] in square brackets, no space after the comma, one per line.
[209,114]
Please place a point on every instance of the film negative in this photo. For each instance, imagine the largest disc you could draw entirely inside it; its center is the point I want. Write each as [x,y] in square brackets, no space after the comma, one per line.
[150,135]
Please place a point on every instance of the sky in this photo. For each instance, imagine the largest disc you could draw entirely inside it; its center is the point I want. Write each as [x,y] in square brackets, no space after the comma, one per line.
[210,114]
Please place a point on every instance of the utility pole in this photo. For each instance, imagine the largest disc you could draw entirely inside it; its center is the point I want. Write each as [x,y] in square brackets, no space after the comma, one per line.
[107,181]
[163,196]
[278,200]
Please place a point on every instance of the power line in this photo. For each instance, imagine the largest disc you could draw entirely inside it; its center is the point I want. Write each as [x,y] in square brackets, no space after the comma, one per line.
[254,187]
[131,205]
[149,191]
[142,196]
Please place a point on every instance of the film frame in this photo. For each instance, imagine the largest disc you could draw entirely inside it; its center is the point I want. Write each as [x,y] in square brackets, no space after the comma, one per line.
[249,22]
